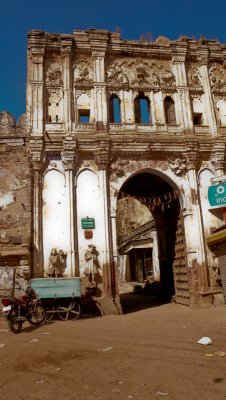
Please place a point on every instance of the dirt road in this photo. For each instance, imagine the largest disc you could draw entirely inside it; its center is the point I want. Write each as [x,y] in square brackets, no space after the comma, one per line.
[148,354]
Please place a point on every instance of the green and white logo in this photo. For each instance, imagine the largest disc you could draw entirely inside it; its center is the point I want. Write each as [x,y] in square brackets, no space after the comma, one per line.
[217,195]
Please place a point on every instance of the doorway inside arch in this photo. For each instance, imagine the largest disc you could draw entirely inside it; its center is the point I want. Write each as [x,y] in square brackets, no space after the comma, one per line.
[150,238]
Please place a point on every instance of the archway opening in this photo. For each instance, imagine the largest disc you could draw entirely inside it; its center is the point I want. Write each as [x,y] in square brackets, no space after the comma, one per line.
[148,221]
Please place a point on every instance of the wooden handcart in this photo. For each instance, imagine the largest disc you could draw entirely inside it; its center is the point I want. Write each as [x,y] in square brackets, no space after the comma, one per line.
[60,296]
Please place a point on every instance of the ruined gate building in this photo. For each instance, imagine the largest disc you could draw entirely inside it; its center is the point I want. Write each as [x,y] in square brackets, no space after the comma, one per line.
[118,134]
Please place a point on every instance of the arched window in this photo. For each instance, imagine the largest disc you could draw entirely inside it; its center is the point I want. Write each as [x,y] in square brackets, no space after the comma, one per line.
[114,110]
[142,109]
[169,108]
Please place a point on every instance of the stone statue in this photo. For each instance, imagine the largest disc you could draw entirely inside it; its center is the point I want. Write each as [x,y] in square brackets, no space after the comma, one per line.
[57,263]
[92,268]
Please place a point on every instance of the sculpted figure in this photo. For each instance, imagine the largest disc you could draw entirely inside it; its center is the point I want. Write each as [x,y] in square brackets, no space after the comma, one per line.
[92,268]
[57,263]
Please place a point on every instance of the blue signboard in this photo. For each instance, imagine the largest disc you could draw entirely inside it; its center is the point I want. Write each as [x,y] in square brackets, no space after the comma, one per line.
[217,195]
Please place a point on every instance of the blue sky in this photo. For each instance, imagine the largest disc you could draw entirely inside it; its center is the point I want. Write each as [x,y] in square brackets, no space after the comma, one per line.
[170,18]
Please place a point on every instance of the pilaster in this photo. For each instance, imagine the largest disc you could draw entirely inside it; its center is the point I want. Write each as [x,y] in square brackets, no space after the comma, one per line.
[35,91]
[69,159]
[36,150]
[67,82]
[98,43]
[178,57]
[195,247]
[203,57]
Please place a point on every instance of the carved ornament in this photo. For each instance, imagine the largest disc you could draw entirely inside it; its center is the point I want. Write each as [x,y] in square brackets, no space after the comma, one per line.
[24,123]
[217,77]
[102,154]
[7,121]
[55,95]
[54,74]
[178,166]
[140,74]
[118,167]
[79,93]
[194,77]
[83,72]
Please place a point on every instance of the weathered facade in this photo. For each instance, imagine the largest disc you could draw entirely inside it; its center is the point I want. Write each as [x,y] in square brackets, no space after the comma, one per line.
[108,119]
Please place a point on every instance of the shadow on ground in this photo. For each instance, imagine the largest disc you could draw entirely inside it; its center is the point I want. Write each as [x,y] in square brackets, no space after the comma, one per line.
[132,302]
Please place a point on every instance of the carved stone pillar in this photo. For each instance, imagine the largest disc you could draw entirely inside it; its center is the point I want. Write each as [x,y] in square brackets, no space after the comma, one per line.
[66,56]
[195,247]
[35,94]
[179,54]
[153,108]
[98,42]
[218,157]
[203,68]
[102,159]
[37,237]
[69,161]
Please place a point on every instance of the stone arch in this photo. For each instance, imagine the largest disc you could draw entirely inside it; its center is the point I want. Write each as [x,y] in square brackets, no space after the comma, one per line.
[168,222]
[55,214]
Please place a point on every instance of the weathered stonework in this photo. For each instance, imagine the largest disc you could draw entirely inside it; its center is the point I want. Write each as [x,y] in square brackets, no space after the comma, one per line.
[85,141]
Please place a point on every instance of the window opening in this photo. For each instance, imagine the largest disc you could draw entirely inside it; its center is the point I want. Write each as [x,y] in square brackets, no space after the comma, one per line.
[170,115]
[84,116]
[197,118]
[56,118]
[142,110]
[114,110]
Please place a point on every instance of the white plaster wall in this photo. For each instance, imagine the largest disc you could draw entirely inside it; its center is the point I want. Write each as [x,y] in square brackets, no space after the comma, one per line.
[221,107]
[209,219]
[56,219]
[90,204]
[159,108]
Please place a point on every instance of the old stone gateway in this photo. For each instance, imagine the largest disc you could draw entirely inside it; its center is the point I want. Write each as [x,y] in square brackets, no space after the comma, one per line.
[106,175]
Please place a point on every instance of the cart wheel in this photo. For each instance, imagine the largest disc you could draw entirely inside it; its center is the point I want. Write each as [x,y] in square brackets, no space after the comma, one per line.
[50,312]
[71,312]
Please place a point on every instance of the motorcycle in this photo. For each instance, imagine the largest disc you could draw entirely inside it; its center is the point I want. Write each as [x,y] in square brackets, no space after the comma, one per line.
[25,308]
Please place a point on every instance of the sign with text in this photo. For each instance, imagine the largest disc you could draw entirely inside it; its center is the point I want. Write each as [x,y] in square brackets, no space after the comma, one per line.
[217,195]
[88,223]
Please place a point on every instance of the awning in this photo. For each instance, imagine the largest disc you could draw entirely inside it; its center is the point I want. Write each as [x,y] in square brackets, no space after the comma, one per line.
[139,244]
[217,237]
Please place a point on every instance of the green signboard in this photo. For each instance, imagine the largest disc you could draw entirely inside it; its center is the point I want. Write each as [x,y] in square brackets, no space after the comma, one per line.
[88,223]
[217,195]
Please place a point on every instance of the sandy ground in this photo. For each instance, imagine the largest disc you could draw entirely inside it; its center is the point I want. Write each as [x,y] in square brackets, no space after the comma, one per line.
[147,354]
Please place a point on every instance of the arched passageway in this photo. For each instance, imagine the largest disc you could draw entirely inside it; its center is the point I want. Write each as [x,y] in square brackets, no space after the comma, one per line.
[150,233]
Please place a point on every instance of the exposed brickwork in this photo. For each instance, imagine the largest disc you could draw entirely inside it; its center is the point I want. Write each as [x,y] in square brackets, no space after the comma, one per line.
[15,207]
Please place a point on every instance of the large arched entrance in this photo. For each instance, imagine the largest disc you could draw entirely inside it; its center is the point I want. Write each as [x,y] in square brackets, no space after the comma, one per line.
[149,216]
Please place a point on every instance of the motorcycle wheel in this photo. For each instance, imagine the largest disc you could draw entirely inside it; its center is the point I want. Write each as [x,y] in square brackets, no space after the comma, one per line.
[14,325]
[69,313]
[38,316]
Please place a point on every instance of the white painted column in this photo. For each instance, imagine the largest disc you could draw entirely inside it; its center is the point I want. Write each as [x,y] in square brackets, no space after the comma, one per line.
[182,88]
[37,247]
[153,108]
[68,157]
[107,270]
[67,82]
[37,90]
[155,256]
[100,97]
[195,247]
[203,68]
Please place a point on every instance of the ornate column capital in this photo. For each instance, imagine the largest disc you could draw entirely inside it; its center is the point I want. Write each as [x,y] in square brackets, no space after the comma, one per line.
[203,55]
[191,155]
[102,154]
[68,154]
[36,152]
[218,155]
